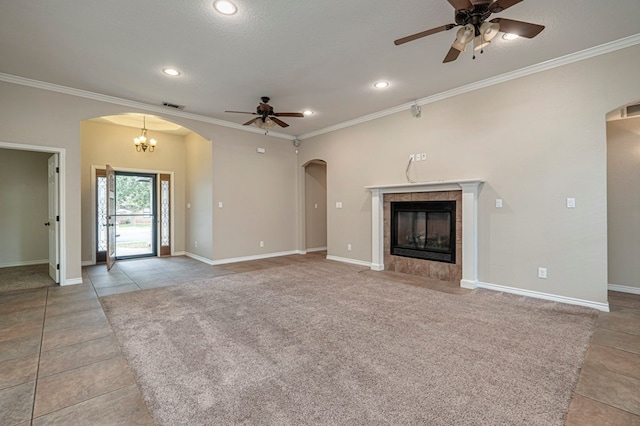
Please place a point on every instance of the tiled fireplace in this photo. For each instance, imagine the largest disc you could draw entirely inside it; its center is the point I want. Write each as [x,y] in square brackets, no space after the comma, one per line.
[406,250]
[462,267]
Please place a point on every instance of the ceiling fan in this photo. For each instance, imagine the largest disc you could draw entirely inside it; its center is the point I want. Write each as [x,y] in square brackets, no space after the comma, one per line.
[472,16]
[267,117]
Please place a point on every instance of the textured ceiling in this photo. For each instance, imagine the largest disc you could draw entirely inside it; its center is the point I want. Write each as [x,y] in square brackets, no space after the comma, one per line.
[319,55]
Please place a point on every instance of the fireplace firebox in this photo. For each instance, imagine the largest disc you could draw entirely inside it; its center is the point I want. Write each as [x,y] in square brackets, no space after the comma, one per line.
[424,230]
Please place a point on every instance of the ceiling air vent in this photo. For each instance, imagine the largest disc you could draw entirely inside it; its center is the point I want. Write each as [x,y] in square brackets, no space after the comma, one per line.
[174,106]
[633,110]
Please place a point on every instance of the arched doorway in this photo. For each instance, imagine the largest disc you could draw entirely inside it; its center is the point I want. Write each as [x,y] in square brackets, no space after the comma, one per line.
[315,190]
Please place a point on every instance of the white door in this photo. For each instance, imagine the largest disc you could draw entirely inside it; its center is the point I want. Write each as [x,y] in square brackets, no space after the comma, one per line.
[53,217]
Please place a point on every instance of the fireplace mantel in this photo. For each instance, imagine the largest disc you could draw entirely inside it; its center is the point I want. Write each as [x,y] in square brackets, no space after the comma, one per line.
[470,189]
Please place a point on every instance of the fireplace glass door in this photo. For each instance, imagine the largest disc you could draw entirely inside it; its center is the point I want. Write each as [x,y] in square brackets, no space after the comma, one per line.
[424,230]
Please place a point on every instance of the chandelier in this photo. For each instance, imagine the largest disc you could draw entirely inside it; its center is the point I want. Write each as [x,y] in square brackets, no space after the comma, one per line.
[142,143]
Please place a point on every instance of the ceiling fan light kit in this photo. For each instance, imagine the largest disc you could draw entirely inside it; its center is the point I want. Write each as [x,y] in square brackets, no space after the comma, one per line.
[473,17]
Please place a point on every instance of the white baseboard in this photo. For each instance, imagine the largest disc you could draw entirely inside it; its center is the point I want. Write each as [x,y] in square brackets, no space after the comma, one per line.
[198,258]
[179,253]
[604,307]
[25,263]
[347,260]
[311,250]
[71,281]
[241,259]
[377,267]
[624,289]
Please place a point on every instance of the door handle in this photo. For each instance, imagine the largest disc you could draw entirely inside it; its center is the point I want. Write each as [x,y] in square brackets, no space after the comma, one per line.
[47,224]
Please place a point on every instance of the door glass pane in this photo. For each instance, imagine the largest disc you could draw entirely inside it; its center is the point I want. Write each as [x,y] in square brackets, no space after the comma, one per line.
[164,212]
[135,216]
[101,208]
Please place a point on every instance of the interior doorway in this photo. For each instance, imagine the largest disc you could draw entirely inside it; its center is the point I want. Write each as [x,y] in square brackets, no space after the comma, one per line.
[315,183]
[32,206]
[139,217]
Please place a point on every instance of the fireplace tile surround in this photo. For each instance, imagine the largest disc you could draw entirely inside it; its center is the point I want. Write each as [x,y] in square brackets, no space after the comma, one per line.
[425,268]
[465,191]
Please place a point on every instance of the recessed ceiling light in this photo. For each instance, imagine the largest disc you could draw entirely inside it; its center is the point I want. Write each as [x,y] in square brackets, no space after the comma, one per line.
[381,85]
[307,112]
[510,36]
[225,7]
[171,71]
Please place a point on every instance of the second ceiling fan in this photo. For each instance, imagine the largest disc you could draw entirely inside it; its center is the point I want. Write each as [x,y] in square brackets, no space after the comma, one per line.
[472,16]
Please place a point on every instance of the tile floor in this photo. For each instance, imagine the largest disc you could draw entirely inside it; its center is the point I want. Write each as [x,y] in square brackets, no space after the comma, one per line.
[60,363]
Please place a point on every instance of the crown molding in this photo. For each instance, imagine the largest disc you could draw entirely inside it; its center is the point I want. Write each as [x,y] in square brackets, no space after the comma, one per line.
[8,78]
[533,69]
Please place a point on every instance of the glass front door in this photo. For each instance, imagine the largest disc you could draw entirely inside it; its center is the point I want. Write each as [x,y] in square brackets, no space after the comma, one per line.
[135,215]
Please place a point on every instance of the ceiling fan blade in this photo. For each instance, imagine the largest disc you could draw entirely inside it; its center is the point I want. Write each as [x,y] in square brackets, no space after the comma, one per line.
[523,29]
[461,4]
[243,112]
[451,56]
[500,5]
[251,121]
[280,122]
[288,114]
[416,36]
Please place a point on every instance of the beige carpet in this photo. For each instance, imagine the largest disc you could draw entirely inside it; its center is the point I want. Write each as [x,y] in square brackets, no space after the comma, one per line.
[28,277]
[322,343]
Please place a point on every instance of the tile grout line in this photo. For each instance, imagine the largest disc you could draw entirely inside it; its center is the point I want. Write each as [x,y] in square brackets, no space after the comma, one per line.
[609,405]
[35,388]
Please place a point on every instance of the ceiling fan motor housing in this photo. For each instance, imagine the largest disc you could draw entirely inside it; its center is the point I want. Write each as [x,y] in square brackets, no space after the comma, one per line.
[475,16]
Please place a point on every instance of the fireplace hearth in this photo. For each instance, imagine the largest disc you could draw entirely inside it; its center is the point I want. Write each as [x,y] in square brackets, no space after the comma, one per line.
[424,230]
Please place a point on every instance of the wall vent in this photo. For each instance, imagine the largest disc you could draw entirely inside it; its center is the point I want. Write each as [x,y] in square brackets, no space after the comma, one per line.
[633,110]
[170,105]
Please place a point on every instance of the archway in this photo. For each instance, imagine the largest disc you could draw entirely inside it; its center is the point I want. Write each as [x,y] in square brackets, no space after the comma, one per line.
[180,158]
[315,207]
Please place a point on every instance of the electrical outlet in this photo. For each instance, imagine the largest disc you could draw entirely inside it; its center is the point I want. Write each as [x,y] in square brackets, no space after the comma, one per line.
[498,203]
[542,273]
[412,157]
[423,156]
[418,157]
[348,247]
[261,243]
[571,203]
[195,244]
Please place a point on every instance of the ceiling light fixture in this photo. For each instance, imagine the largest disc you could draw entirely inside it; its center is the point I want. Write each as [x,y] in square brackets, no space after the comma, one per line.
[307,112]
[171,71]
[265,124]
[510,36]
[225,7]
[381,85]
[141,142]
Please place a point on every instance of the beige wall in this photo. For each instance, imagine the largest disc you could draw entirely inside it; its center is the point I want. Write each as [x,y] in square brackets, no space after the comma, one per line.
[111,144]
[535,140]
[258,190]
[315,205]
[258,194]
[23,207]
[623,185]
[199,196]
